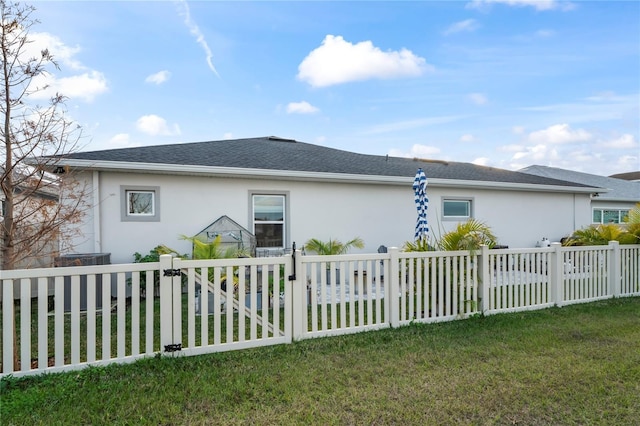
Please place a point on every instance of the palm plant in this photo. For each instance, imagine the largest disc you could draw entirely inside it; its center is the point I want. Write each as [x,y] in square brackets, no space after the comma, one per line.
[420,245]
[469,236]
[332,247]
[594,235]
[213,249]
[632,224]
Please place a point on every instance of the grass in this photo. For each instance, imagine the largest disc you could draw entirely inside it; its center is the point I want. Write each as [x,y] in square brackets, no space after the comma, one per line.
[573,365]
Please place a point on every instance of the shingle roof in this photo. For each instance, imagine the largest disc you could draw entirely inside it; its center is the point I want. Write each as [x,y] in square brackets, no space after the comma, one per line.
[272,153]
[618,189]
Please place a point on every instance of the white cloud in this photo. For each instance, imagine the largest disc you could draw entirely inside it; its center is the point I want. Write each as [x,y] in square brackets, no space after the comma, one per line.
[159,77]
[575,149]
[121,140]
[626,163]
[411,124]
[61,53]
[468,25]
[625,141]
[156,126]
[536,154]
[478,98]
[559,134]
[518,130]
[227,136]
[481,161]
[338,61]
[602,107]
[194,29]
[536,4]
[550,146]
[417,151]
[84,86]
[511,148]
[467,138]
[301,108]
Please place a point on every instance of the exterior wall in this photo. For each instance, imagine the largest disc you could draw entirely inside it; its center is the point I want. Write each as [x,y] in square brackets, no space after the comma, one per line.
[379,214]
[188,204]
[84,241]
[518,218]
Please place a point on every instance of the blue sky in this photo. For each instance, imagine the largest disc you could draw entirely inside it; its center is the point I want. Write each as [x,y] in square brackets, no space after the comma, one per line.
[502,83]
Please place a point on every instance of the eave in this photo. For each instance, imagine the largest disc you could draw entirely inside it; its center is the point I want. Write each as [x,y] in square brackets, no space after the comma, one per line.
[310,176]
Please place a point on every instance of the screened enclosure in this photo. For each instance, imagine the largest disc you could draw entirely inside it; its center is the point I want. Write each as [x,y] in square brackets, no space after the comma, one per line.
[232,236]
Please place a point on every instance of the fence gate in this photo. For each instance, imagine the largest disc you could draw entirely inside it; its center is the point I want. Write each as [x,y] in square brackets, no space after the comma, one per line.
[224,304]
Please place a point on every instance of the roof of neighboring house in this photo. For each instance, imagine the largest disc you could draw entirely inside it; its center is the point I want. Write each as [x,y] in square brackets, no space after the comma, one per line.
[34,184]
[618,189]
[285,158]
[633,176]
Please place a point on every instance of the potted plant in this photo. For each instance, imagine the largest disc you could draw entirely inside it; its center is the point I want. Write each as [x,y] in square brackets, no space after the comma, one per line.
[332,248]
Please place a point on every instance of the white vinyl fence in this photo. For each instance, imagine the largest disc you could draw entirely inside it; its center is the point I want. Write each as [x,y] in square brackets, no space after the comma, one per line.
[97,315]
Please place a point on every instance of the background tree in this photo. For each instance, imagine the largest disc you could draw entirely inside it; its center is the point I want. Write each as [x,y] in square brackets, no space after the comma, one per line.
[36,204]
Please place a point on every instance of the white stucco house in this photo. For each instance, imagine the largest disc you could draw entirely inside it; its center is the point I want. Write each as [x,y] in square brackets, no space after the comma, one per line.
[609,205]
[285,191]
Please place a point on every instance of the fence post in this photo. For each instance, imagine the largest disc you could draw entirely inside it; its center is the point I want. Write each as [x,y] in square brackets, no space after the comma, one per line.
[298,302]
[166,303]
[484,280]
[556,281]
[394,287]
[615,278]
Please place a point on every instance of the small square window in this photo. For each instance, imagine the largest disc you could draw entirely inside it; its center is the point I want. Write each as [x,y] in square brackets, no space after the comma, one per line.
[456,209]
[140,204]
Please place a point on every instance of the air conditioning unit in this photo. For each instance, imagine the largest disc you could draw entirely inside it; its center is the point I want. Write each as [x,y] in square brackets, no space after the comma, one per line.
[86,259]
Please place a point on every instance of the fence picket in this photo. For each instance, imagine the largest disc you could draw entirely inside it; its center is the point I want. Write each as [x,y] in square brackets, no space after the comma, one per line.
[25,324]
[370,291]
[43,341]
[59,322]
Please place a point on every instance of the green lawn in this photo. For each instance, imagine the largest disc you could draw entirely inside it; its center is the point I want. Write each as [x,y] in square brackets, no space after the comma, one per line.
[575,365]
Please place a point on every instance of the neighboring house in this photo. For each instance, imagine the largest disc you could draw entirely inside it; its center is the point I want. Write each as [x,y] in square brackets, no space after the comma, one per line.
[31,206]
[286,191]
[611,205]
[632,176]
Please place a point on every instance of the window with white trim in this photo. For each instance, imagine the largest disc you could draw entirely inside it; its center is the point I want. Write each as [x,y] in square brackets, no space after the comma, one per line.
[457,209]
[269,220]
[609,215]
[140,204]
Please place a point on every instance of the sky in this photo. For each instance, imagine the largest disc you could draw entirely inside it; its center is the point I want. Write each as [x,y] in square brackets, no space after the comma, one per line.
[500,83]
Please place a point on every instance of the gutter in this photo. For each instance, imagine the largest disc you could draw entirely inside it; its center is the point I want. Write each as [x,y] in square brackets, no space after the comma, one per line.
[234,172]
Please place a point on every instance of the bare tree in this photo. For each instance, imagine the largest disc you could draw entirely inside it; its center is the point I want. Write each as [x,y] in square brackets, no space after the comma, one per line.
[37,204]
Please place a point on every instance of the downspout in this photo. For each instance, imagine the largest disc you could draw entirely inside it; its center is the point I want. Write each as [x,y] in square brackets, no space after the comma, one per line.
[574,210]
[97,236]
